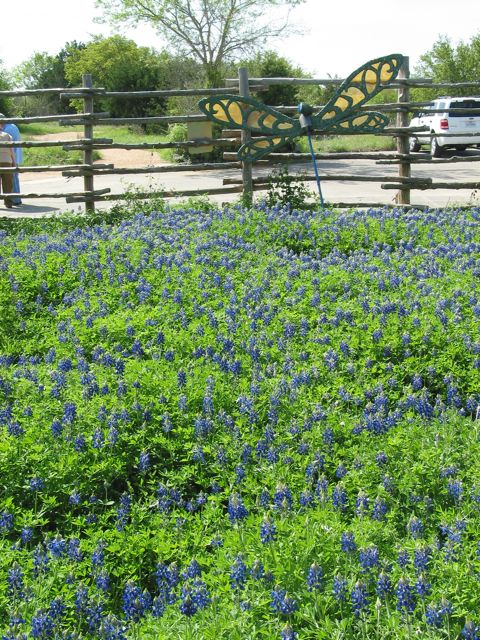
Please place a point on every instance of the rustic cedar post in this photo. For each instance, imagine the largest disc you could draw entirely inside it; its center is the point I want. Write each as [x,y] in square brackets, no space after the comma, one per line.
[88,135]
[244,90]
[404,168]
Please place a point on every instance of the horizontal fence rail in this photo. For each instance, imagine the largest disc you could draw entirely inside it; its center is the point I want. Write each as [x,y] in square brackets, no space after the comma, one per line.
[230,139]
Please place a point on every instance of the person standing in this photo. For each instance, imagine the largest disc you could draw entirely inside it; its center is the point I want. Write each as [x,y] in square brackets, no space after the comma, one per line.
[7,159]
[13,130]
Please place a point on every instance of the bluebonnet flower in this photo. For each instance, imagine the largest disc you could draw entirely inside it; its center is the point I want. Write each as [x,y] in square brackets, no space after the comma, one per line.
[283,603]
[26,535]
[315,578]
[268,530]
[69,413]
[421,558]
[123,511]
[403,558]
[36,484]
[339,588]
[15,581]
[56,609]
[384,585]
[135,602]
[79,445]
[194,596]
[341,471]
[339,497]
[306,499]
[361,504]
[144,461]
[359,598]
[435,614]
[381,458]
[167,579]
[368,557]
[102,581]
[348,542]
[470,631]
[42,625]
[40,561]
[455,490]
[405,597]
[56,428]
[112,629]
[236,509]
[282,498]
[380,509]
[73,550]
[415,527]
[287,633]
[98,555]
[423,586]
[193,570]
[57,546]
[6,521]
[238,573]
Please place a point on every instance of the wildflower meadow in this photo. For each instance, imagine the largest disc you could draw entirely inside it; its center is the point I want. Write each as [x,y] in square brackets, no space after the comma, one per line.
[241,424]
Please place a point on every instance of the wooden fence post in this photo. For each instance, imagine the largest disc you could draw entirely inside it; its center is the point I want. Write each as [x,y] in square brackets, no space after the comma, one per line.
[404,168]
[244,90]
[88,135]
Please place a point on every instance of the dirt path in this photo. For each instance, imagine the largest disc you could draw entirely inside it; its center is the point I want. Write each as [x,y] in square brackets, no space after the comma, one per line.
[120,158]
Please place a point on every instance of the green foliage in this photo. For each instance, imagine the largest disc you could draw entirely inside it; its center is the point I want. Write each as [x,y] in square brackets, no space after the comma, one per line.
[445,62]
[283,190]
[6,105]
[269,64]
[118,64]
[44,71]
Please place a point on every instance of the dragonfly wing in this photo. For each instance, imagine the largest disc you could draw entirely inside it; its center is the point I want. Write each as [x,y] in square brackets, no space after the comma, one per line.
[365,121]
[247,113]
[259,147]
[358,88]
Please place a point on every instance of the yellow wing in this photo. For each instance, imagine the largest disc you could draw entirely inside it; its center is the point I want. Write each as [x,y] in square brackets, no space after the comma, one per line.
[257,148]
[359,87]
[247,113]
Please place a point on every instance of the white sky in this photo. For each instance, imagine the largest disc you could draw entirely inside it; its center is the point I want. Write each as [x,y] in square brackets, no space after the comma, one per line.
[339,35]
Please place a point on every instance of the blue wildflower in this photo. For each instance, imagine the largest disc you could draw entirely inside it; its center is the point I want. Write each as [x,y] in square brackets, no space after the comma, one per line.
[359,598]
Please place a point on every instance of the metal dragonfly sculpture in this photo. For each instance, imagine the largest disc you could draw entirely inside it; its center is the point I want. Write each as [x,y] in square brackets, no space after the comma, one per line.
[341,113]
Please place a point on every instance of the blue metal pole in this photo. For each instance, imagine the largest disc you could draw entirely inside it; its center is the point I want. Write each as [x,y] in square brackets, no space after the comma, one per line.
[317,177]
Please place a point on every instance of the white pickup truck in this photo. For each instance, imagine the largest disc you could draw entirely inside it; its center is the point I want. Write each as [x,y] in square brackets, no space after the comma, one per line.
[452,122]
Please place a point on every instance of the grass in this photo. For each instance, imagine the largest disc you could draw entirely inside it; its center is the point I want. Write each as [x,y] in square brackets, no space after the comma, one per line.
[44,156]
[366,142]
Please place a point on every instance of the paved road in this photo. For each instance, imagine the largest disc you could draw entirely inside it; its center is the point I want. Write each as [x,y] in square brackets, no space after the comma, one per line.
[341,191]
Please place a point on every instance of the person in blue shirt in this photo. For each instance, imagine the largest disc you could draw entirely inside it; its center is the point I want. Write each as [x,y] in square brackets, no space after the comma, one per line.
[12,130]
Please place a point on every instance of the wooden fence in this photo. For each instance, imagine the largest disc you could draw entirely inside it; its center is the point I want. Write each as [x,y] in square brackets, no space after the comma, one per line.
[403,183]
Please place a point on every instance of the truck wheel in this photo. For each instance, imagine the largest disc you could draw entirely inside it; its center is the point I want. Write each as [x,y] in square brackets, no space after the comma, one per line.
[435,149]
[413,144]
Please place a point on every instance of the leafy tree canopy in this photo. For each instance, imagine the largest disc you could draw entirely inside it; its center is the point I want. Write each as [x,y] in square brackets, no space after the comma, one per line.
[269,64]
[212,32]
[118,64]
[448,63]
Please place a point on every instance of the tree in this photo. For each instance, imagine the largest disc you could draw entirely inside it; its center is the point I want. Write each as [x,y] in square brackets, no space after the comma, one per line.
[213,32]
[5,85]
[44,71]
[118,64]
[269,64]
[447,63]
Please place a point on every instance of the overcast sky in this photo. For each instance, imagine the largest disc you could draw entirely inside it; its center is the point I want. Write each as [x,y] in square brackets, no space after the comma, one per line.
[339,36]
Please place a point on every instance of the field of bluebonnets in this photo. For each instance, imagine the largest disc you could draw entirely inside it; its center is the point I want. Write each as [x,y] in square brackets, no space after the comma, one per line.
[241,424]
